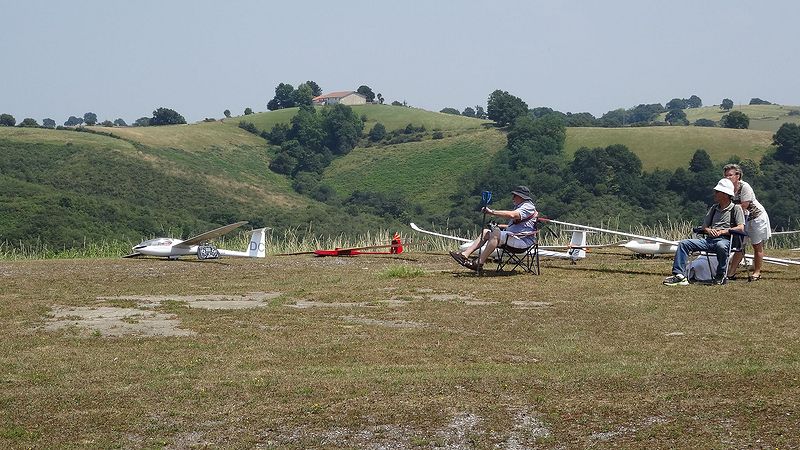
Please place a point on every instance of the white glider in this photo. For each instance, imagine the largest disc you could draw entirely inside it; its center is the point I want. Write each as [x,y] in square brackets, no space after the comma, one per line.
[199,245]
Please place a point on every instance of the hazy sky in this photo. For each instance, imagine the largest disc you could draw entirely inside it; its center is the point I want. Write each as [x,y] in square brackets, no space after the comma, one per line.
[125,59]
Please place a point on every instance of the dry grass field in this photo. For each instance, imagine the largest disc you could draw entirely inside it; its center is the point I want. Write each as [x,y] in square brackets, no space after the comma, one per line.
[403,352]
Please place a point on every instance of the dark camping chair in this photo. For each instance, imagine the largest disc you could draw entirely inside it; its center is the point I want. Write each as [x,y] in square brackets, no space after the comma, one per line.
[527,259]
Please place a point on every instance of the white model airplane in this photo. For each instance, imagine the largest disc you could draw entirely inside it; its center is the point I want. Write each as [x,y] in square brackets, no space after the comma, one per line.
[577,246]
[654,245]
[174,248]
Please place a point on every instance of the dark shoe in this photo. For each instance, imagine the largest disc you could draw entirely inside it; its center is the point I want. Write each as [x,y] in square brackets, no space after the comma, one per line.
[461,259]
[754,277]
[473,265]
[720,280]
[733,277]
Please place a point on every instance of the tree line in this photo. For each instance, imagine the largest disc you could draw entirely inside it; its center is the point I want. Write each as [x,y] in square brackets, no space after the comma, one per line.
[608,183]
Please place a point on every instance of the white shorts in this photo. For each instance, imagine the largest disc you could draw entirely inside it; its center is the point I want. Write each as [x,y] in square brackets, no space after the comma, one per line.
[758,229]
[511,240]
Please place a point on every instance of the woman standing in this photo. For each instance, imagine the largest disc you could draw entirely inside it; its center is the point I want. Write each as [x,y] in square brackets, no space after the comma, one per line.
[758,228]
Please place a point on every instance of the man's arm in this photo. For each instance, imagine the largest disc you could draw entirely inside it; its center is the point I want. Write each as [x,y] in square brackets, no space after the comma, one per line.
[513,214]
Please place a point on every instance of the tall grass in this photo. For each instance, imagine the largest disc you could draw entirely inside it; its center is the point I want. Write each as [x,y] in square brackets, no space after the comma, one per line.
[294,240]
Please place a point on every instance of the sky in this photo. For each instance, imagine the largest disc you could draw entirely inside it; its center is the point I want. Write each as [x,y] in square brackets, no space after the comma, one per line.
[126,59]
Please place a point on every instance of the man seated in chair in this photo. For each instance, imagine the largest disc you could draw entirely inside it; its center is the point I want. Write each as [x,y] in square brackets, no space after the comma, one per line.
[720,222]
[519,233]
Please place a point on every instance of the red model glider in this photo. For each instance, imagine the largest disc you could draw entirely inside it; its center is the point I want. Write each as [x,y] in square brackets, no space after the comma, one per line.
[395,248]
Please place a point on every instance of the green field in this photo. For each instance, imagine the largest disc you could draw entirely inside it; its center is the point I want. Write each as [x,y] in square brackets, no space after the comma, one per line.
[762,117]
[404,352]
[426,172]
[673,147]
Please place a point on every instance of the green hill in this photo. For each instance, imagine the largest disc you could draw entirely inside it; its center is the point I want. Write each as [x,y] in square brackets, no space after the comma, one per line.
[673,147]
[762,117]
[65,185]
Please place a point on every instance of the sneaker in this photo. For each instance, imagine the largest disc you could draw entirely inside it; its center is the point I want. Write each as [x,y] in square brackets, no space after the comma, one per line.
[720,280]
[676,280]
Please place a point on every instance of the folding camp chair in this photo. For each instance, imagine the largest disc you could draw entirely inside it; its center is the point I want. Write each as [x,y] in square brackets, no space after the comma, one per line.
[736,244]
[526,259]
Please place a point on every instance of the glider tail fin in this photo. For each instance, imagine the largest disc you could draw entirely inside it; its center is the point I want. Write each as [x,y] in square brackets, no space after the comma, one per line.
[578,242]
[257,247]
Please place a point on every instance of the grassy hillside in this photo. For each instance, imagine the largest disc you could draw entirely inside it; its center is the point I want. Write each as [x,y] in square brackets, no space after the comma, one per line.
[425,172]
[66,185]
[762,117]
[392,117]
[673,147]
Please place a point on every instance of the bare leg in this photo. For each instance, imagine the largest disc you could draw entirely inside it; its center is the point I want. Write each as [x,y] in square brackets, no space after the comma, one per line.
[492,243]
[735,261]
[476,244]
[758,258]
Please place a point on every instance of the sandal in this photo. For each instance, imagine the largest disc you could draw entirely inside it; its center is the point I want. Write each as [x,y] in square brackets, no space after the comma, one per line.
[754,277]
[461,259]
[473,265]
[733,277]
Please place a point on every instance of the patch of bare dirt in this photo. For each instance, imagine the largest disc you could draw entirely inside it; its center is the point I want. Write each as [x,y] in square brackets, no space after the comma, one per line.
[304,304]
[384,323]
[113,321]
[209,301]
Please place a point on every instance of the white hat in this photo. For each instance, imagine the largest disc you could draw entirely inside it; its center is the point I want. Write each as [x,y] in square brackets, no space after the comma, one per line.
[725,186]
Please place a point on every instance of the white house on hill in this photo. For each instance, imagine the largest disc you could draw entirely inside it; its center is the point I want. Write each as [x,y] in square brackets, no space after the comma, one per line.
[343,97]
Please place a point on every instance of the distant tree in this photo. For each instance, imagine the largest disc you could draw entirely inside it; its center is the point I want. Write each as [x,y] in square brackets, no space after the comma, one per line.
[694,102]
[377,133]
[468,112]
[700,162]
[676,103]
[735,119]
[612,119]
[227,113]
[643,113]
[366,92]
[90,118]
[142,122]
[283,97]
[787,141]
[73,121]
[342,128]
[120,123]
[758,101]
[480,113]
[727,104]
[316,91]
[49,123]
[29,123]
[396,103]
[504,108]
[676,117]
[166,116]
[380,98]
[248,111]
[7,120]
[107,123]
[303,95]
[583,119]
[450,111]
[705,123]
